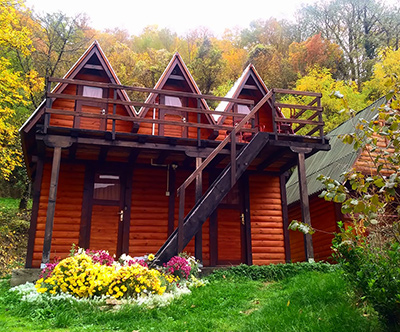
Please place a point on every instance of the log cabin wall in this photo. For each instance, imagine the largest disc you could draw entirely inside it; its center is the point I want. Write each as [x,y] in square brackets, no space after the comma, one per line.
[324,218]
[149,212]
[267,237]
[67,216]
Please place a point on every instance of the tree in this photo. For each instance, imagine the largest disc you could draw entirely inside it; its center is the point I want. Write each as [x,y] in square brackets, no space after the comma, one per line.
[207,66]
[315,51]
[359,27]
[14,85]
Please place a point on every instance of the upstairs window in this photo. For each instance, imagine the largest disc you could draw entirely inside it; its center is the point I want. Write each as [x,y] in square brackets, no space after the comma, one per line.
[243,109]
[93,92]
[173,101]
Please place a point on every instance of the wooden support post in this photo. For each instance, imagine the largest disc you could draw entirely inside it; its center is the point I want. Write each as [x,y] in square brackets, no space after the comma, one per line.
[198,242]
[48,106]
[198,121]
[245,189]
[37,185]
[304,202]
[273,110]
[87,206]
[285,217]
[171,199]
[180,220]
[213,227]
[233,158]
[51,207]
[114,113]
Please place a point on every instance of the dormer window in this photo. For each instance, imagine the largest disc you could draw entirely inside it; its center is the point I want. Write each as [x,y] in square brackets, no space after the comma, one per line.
[173,101]
[243,109]
[93,92]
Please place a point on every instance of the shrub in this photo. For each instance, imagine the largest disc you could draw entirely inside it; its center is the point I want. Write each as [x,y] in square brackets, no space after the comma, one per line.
[271,272]
[373,271]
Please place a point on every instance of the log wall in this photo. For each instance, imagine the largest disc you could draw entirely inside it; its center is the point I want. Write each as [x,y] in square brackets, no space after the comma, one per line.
[323,217]
[67,214]
[266,220]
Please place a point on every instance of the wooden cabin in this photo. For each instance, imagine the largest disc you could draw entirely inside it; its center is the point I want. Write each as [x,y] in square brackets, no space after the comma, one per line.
[325,215]
[163,173]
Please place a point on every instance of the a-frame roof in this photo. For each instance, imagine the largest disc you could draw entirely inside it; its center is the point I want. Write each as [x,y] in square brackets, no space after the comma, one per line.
[333,163]
[248,74]
[175,65]
[93,53]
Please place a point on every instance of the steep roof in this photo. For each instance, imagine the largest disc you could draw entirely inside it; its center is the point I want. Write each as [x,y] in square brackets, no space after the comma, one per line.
[238,86]
[333,163]
[93,50]
[176,65]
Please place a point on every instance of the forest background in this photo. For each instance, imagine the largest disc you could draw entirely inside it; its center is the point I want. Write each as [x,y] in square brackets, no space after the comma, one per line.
[346,49]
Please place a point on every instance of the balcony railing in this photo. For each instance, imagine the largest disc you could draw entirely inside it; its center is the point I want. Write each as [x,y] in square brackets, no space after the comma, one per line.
[303,120]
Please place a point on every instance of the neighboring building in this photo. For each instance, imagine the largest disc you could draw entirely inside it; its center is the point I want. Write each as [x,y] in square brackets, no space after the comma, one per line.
[325,215]
[106,176]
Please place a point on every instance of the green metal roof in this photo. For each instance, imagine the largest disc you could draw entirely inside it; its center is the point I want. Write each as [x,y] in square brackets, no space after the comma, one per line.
[339,159]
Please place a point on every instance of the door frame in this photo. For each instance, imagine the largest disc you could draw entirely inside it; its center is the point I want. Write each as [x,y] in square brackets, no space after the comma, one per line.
[124,203]
[243,207]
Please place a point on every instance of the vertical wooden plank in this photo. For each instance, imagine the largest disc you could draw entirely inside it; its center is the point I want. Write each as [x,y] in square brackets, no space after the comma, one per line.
[305,205]
[180,220]
[233,158]
[198,244]
[213,229]
[245,190]
[273,111]
[114,113]
[285,217]
[321,128]
[51,207]
[35,211]
[87,204]
[198,121]
[127,209]
[171,199]
[48,105]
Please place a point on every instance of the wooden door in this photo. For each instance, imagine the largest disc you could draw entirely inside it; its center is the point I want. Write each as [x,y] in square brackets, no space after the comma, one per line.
[230,238]
[91,107]
[108,208]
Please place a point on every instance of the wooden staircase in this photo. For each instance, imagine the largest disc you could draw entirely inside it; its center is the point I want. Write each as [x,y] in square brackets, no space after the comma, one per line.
[194,220]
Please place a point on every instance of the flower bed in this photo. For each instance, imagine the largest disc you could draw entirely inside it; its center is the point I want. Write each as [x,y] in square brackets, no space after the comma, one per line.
[92,274]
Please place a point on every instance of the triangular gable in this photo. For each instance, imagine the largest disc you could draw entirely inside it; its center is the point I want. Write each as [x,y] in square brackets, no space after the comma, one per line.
[249,77]
[95,57]
[176,65]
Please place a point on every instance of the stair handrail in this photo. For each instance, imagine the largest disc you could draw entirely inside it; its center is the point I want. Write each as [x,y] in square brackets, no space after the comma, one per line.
[223,143]
[231,137]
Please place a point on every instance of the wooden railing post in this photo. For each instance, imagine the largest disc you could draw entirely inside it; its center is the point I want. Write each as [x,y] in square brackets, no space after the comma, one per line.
[320,120]
[198,240]
[233,157]
[48,106]
[198,121]
[114,113]
[180,219]
[274,114]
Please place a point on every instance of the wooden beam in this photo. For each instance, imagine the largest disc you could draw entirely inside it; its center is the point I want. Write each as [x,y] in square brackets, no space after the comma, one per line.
[198,240]
[161,157]
[95,67]
[87,205]
[304,202]
[285,217]
[147,90]
[171,198]
[37,186]
[103,154]
[271,159]
[296,92]
[126,223]
[213,226]
[51,206]
[245,189]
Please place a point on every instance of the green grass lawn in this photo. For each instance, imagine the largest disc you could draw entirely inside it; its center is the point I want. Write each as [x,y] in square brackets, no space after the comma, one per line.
[310,301]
